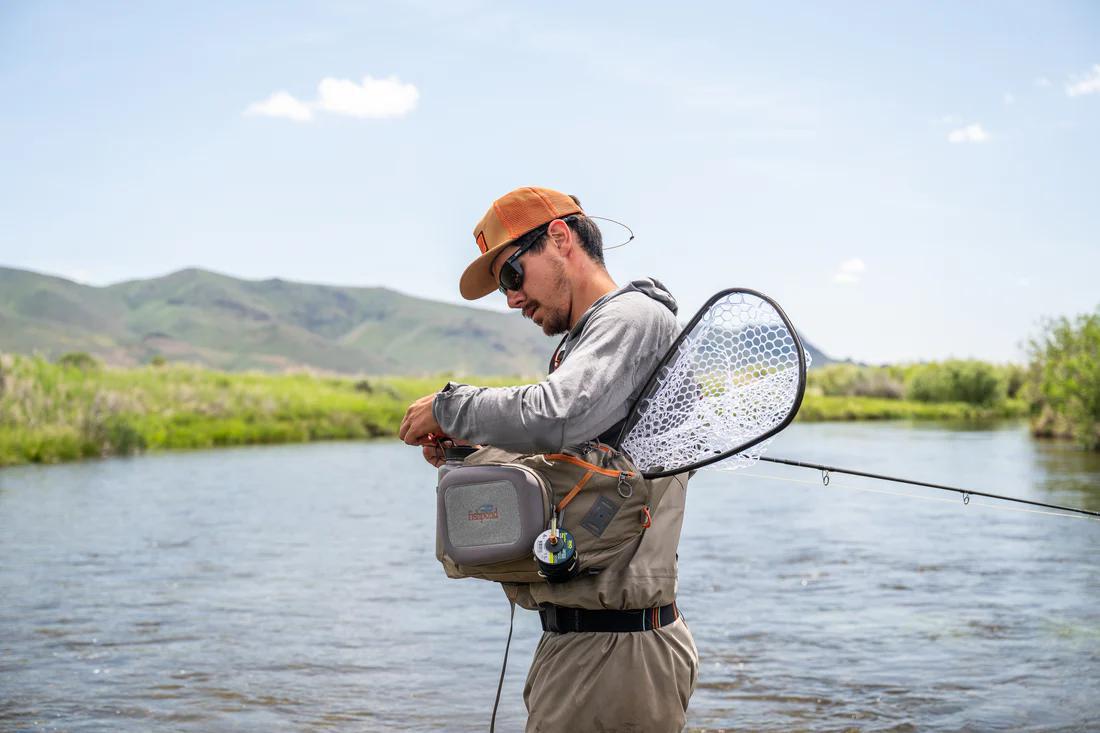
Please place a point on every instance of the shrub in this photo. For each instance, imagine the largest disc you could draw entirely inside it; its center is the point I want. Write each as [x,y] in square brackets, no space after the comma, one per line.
[972,382]
[1015,377]
[850,380]
[1064,379]
[80,360]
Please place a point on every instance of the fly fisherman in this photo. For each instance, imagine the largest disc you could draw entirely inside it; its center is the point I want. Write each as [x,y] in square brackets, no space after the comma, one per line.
[615,653]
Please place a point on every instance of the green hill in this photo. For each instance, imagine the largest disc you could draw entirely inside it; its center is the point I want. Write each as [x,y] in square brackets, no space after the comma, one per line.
[272,325]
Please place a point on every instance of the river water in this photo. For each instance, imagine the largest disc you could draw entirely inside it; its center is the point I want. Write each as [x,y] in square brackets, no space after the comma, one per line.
[295,588]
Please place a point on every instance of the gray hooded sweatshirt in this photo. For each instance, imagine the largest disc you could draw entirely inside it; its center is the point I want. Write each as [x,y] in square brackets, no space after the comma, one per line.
[604,362]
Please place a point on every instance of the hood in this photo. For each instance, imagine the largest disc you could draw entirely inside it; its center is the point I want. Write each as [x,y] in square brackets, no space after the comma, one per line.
[652,287]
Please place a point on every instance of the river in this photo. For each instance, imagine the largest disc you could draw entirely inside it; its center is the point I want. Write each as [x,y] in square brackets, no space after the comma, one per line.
[295,588]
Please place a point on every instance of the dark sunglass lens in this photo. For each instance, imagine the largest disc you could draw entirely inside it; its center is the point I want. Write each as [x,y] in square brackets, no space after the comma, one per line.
[511,277]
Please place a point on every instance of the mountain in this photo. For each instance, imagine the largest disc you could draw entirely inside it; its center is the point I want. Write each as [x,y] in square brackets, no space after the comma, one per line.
[817,356]
[274,325]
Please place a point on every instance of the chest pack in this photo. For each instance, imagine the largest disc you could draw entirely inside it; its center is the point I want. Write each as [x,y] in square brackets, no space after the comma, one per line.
[495,505]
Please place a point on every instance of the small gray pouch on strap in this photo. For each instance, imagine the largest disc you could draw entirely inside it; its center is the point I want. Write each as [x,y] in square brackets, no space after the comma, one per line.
[488,516]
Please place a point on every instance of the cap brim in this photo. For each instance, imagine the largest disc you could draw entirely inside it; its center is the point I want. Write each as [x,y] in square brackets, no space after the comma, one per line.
[477,280]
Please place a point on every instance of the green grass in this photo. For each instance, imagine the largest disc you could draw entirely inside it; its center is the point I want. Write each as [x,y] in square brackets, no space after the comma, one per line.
[820,408]
[62,412]
[74,409]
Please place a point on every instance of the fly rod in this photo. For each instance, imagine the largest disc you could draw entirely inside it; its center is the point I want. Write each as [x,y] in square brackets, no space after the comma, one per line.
[966,493]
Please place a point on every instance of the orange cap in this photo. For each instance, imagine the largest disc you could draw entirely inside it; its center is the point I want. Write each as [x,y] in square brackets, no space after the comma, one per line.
[509,218]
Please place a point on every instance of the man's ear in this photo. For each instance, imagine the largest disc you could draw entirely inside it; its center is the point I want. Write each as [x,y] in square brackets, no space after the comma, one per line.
[561,235]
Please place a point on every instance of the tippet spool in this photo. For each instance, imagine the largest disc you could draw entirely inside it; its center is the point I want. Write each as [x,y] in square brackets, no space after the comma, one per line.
[556,554]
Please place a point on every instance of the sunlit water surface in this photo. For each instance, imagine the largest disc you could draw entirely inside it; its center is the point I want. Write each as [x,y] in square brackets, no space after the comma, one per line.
[295,588]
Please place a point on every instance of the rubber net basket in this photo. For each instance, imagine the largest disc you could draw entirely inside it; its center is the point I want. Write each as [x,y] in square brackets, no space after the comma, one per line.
[734,378]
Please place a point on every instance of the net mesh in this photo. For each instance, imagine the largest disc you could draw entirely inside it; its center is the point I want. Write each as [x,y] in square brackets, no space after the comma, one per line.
[734,377]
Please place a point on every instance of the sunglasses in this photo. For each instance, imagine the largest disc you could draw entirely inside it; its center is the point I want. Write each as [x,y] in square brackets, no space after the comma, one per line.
[511,272]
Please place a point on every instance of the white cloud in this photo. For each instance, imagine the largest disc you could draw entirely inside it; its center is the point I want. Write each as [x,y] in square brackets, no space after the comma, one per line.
[1042,81]
[281,104]
[850,271]
[1087,84]
[969,134]
[373,99]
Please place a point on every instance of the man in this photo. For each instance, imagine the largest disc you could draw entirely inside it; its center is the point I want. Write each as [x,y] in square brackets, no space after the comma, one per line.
[540,250]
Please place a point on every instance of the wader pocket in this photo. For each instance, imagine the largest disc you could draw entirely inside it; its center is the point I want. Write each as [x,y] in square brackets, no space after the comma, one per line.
[606,514]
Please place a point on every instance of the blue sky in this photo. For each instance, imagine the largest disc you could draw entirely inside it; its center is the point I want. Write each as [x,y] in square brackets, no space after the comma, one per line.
[909,180]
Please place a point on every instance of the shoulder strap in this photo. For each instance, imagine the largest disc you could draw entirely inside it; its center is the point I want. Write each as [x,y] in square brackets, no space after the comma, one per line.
[556,359]
[611,435]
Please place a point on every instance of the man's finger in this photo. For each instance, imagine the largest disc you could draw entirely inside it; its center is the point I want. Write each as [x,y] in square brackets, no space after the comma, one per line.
[432,455]
[406,423]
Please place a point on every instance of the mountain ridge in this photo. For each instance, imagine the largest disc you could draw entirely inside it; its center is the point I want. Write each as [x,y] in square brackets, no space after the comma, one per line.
[224,322]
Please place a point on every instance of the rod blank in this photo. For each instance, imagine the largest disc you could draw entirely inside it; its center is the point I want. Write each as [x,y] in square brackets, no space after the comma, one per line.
[895,479]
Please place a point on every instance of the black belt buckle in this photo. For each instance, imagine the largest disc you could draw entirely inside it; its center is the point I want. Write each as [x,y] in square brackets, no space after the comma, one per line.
[559,619]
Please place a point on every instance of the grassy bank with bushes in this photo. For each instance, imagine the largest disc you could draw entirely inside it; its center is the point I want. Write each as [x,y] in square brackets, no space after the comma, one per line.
[76,408]
[949,390]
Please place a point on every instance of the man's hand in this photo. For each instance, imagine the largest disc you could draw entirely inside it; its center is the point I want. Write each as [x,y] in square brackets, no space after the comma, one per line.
[419,421]
[433,454]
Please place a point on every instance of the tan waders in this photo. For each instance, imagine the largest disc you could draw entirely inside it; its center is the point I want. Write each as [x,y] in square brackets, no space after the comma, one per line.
[638,681]
[603,681]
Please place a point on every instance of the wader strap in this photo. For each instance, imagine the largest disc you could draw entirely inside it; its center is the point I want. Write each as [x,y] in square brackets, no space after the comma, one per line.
[564,620]
[612,434]
[556,359]
[504,666]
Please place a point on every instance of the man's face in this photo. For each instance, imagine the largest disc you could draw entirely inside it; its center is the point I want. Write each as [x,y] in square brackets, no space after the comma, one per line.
[544,295]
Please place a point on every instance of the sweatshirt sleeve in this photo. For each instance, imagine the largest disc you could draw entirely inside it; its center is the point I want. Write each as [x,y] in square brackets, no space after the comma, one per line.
[585,396]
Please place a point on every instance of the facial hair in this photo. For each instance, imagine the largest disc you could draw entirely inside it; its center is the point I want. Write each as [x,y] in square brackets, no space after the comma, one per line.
[555,319]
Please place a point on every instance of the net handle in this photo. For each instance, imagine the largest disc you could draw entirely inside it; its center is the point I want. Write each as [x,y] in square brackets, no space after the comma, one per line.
[635,413]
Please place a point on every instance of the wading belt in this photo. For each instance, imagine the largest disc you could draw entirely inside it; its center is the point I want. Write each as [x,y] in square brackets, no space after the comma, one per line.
[563,620]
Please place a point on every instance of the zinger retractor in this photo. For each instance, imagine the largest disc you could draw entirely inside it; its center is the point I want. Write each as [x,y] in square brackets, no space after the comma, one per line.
[556,554]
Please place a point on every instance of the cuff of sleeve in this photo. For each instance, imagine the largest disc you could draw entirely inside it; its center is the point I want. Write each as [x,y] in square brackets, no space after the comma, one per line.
[439,405]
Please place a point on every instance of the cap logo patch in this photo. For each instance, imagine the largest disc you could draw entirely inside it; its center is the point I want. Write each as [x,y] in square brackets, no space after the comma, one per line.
[481,243]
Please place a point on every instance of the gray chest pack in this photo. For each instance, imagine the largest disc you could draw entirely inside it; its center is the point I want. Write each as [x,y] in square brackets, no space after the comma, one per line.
[517,518]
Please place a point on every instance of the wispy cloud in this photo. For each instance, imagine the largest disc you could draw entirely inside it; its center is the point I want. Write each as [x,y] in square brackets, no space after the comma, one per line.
[1042,81]
[1009,98]
[1089,83]
[850,271]
[281,104]
[371,99]
[969,134]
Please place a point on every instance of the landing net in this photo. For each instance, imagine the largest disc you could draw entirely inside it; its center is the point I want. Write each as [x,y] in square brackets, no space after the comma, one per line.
[734,378]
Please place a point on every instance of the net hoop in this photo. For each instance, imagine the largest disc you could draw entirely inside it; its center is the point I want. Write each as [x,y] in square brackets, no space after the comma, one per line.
[636,434]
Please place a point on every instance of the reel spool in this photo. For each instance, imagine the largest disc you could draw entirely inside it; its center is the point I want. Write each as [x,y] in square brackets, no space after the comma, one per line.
[556,555]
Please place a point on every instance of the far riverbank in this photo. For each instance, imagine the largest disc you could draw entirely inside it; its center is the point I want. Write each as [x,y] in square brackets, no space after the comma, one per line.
[77,409]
